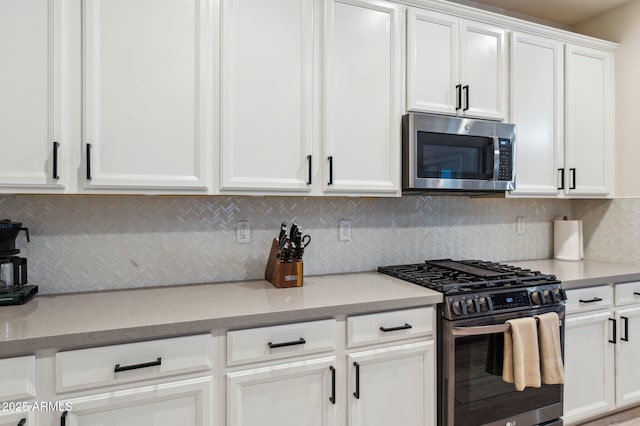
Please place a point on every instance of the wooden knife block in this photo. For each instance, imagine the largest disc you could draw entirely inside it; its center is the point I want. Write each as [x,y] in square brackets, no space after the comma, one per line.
[282,275]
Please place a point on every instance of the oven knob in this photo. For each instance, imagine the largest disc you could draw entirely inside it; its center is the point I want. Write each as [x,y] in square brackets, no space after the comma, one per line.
[548,296]
[471,307]
[560,296]
[484,306]
[535,298]
[456,308]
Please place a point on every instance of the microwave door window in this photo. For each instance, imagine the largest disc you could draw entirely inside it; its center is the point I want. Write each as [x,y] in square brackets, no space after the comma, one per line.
[454,156]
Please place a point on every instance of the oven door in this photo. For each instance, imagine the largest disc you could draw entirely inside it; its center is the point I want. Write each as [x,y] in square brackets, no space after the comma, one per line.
[472,391]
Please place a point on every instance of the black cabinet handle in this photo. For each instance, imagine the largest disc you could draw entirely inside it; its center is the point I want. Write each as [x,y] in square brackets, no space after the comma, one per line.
[635,293]
[330,170]
[561,178]
[300,341]
[595,299]
[458,97]
[626,329]
[56,145]
[402,327]
[357,392]
[309,165]
[118,369]
[63,418]
[466,97]
[615,327]
[573,178]
[88,161]
[332,398]
[22,422]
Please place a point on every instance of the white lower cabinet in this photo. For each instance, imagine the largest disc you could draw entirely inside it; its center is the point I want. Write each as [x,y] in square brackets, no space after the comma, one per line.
[185,403]
[19,418]
[290,394]
[394,385]
[589,364]
[627,356]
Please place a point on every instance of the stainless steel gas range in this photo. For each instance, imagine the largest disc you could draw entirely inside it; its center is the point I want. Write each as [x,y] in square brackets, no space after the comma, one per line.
[479,297]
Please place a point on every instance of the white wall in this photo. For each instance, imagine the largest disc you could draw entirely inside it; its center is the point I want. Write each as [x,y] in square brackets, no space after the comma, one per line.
[622,25]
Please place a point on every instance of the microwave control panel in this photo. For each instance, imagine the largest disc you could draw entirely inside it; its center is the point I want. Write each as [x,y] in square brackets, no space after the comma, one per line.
[505,170]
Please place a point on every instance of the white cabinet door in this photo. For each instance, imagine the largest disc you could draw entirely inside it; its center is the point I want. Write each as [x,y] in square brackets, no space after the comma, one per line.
[433,69]
[588,121]
[362,111]
[537,108]
[30,96]
[267,94]
[146,120]
[589,366]
[180,403]
[393,386]
[292,394]
[483,70]
[16,418]
[627,356]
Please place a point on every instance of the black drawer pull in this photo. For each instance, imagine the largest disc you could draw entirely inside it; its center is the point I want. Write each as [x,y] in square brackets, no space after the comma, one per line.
[402,327]
[22,422]
[332,398]
[635,293]
[300,341]
[595,299]
[63,418]
[118,369]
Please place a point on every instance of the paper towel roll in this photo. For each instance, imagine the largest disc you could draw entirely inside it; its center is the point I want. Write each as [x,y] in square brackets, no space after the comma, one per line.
[567,240]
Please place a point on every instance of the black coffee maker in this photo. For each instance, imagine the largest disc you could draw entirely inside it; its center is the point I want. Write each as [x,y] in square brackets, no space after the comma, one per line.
[13,269]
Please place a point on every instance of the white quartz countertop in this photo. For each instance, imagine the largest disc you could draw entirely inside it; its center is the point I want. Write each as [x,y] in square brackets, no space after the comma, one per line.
[585,273]
[77,320]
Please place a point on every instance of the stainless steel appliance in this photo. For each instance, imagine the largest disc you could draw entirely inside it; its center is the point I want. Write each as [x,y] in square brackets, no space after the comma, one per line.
[456,154]
[479,297]
[13,269]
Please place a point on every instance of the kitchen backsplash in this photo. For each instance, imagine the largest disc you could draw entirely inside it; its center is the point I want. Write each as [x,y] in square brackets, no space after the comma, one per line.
[87,243]
[611,229]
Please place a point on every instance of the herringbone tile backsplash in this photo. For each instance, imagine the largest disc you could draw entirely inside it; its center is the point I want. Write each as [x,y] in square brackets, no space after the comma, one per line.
[87,243]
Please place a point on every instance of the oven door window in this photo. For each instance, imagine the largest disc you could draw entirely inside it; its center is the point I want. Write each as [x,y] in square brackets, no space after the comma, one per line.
[446,156]
[480,392]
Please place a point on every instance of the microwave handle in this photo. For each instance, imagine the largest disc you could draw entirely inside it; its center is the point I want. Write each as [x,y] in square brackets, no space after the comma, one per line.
[496,158]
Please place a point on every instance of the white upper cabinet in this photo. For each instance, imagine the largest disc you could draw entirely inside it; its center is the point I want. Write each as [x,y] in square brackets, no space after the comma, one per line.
[456,66]
[537,108]
[146,122]
[267,94]
[363,96]
[589,122]
[30,96]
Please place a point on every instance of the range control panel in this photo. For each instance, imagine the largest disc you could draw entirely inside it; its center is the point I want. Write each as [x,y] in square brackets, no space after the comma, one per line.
[478,304]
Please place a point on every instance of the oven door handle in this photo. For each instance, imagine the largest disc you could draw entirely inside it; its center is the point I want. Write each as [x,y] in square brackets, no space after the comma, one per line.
[480,330]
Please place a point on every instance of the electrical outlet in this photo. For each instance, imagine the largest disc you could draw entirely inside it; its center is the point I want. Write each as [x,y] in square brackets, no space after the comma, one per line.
[243,232]
[345,230]
[520,225]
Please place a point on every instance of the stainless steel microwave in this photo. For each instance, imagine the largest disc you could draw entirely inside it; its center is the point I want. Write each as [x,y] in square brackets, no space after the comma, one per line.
[456,154]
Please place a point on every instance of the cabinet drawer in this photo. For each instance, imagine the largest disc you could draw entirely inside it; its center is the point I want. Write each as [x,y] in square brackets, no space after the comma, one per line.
[389,326]
[17,378]
[110,365]
[588,299]
[627,293]
[280,341]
